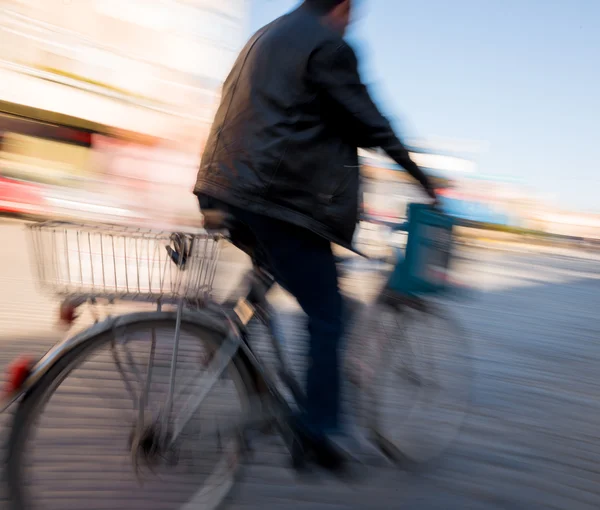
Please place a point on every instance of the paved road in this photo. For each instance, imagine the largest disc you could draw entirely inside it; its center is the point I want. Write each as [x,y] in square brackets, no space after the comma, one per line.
[531,440]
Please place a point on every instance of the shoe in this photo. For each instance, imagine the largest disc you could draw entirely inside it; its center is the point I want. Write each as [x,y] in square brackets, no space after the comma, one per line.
[308,448]
[328,456]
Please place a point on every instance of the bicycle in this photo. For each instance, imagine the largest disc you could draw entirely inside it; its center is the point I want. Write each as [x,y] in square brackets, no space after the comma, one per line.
[111,263]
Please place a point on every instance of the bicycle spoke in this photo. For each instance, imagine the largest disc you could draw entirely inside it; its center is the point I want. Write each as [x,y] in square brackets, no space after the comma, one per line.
[113,404]
[206,382]
[128,356]
[188,381]
[429,359]
[136,383]
[128,386]
[169,403]
[143,400]
[407,357]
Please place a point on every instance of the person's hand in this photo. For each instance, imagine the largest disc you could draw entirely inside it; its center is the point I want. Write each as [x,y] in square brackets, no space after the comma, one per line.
[433,195]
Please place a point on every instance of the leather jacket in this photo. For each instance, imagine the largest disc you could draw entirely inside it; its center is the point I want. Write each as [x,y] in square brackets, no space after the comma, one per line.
[284,139]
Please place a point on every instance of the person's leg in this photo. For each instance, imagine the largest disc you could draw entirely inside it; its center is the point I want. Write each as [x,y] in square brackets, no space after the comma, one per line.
[303,263]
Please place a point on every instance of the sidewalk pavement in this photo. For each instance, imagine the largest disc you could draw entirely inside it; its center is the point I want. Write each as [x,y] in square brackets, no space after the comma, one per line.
[531,440]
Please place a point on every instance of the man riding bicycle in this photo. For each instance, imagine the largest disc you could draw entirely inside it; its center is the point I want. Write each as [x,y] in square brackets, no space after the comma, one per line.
[281,159]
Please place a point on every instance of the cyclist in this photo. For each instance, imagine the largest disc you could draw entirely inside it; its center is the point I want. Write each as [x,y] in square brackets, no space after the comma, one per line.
[281,158]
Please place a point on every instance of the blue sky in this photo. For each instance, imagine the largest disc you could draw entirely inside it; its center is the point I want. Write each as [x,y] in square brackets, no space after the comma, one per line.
[521,75]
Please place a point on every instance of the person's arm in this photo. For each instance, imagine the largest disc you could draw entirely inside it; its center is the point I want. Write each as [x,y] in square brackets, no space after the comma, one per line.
[334,69]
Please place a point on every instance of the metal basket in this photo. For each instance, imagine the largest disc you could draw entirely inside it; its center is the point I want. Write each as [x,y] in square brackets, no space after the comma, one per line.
[121,262]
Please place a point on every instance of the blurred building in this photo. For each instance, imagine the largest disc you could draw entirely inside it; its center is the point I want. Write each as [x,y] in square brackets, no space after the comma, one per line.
[146,75]
[168,57]
[148,71]
[566,223]
[388,188]
[466,192]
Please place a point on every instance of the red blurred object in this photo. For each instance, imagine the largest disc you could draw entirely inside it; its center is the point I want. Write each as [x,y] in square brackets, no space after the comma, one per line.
[75,136]
[67,314]
[68,310]
[18,372]
[19,196]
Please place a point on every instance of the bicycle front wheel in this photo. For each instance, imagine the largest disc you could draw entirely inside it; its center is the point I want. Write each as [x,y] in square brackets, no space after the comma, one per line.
[420,392]
[76,440]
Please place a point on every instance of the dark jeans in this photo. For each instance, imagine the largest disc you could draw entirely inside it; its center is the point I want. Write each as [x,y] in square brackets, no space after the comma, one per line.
[303,263]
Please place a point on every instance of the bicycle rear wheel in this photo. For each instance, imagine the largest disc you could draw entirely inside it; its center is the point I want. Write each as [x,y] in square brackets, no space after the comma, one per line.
[419,392]
[73,442]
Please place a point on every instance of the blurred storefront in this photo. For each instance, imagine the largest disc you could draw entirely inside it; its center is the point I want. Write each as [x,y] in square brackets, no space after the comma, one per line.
[109,101]
[388,189]
[168,56]
[148,72]
[465,192]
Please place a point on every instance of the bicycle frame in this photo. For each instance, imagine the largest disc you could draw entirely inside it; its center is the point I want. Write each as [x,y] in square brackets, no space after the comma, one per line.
[246,308]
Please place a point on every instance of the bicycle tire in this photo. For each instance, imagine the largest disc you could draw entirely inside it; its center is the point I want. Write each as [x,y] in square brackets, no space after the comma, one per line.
[410,447]
[34,401]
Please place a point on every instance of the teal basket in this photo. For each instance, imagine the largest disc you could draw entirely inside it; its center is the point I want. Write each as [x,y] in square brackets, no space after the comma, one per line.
[423,268]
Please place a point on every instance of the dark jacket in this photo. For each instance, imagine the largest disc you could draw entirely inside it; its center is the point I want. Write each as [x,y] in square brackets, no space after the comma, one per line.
[284,140]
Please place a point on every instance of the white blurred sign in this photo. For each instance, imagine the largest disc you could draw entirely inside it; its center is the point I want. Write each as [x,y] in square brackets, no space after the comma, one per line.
[444,163]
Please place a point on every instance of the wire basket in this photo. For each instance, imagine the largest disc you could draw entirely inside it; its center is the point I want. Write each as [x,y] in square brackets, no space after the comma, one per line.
[121,262]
